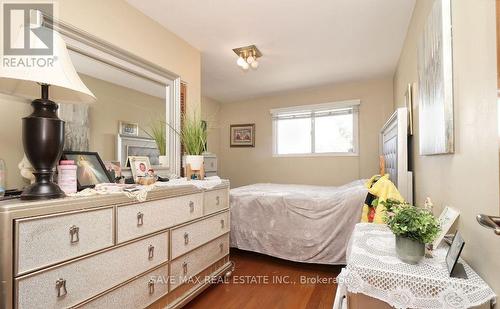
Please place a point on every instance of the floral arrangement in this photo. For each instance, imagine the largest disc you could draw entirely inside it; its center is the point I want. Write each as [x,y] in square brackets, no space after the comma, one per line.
[411,222]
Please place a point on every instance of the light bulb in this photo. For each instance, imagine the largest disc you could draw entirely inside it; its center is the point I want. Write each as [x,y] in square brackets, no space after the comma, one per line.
[245,66]
[241,62]
[250,59]
[254,64]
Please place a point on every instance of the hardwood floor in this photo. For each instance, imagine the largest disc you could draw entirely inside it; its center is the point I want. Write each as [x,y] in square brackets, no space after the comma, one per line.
[255,283]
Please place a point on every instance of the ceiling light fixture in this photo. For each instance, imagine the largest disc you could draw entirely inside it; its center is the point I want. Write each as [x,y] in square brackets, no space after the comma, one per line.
[247,57]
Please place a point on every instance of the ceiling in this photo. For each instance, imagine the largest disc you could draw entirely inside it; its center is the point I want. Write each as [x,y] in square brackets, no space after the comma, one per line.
[305,43]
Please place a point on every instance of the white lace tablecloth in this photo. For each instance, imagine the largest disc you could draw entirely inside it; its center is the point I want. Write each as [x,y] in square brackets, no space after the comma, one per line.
[374,269]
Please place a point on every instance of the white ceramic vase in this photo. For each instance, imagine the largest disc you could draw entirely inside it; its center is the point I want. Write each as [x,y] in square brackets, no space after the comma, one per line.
[163,161]
[196,162]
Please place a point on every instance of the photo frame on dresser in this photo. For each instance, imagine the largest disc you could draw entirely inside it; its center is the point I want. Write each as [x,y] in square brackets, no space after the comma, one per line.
[91,170]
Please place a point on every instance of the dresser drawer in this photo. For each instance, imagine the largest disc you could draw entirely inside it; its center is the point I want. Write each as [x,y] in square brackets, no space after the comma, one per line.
[193,235]
[139,293]
[82,279]
[210,164]
[215,200]
[140,219]
[182,268]
[44,241]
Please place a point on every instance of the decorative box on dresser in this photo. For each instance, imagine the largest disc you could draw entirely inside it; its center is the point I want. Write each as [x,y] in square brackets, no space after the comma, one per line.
[110,251]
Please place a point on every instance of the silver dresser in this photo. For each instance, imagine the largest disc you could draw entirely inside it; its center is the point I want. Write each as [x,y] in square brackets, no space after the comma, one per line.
[110,251]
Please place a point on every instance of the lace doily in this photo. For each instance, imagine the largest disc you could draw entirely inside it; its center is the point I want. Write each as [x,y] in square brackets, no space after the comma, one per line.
[374,269]
[141,194]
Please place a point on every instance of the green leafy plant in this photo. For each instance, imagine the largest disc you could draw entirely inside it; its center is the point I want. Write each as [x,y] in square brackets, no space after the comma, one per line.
[193,134]
[411,222]
[159,134]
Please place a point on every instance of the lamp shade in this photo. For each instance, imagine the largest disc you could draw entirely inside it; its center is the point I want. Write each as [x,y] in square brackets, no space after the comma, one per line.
[23,76]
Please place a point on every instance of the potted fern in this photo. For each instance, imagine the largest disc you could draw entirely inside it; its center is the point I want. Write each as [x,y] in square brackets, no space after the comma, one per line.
[413,227]
[159,134]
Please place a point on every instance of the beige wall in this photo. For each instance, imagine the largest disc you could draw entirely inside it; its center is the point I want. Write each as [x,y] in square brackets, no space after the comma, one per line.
[468,179]
[114,103]
[120,24]
[210,112]
[250,165]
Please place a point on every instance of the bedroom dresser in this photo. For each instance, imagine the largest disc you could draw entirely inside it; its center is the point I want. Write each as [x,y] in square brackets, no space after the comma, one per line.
[110,251]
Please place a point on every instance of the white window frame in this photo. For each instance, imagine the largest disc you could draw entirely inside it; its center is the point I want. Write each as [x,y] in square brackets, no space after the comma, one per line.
[316,108]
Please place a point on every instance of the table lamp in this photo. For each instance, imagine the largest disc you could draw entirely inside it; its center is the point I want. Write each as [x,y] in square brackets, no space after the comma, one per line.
[43,131]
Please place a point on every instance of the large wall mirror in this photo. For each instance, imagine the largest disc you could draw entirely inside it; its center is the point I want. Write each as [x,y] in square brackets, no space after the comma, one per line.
[130,92]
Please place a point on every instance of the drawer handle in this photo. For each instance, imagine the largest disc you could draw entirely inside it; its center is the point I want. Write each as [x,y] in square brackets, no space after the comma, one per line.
[221,247]
[191,206]
[61,287]
[140,218]
[217,200]
[186,238]
[74,232]
[151,286]
[185,268]
[222,224]
[151,252]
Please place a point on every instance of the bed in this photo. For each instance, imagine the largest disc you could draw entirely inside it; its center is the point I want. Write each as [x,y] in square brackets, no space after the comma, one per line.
[312,224]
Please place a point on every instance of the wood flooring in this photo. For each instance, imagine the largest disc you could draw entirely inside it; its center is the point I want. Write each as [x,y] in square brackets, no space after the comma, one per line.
[263,282]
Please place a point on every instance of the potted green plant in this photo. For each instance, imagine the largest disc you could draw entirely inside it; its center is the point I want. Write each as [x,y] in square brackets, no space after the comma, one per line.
[159,134]
[413,227]
[193,135]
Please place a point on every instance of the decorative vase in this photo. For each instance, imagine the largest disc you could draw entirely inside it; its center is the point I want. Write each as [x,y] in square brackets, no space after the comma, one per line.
[408,250]
[163,161]
[196,162]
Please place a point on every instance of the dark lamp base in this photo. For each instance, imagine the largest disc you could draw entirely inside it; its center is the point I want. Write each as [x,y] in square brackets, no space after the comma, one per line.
[42,191]
[43,141]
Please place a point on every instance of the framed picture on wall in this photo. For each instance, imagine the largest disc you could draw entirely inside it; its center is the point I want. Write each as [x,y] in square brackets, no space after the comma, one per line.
[242,135]
[129,128]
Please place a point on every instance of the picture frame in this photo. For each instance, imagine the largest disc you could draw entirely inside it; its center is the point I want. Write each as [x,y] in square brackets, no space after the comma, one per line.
[114,168]
[129,128]
[435,82]
[90,169]
[139,166]
[242,135]
[446,219]
[455,269]
[409,107]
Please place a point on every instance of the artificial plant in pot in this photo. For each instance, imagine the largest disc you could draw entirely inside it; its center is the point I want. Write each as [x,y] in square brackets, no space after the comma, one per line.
[413,227]
[193,135]
[159,134]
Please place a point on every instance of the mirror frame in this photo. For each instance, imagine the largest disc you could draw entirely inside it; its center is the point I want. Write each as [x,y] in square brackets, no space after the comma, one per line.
[88,45]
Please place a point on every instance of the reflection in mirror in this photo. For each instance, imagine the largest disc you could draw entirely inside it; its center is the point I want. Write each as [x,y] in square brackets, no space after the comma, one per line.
[128,108]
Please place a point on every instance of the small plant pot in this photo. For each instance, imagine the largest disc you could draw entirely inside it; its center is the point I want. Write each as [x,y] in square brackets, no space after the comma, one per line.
[163,161]
[196,162]
[408,250]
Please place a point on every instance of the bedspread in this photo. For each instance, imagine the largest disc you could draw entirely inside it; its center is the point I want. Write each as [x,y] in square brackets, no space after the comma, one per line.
[300,223]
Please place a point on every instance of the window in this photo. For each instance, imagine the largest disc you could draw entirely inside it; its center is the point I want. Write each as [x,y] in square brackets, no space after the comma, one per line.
[323,129]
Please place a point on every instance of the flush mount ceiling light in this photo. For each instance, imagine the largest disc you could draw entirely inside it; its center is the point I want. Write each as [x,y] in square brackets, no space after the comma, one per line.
[247,57]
